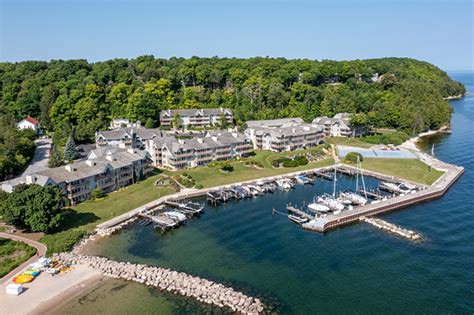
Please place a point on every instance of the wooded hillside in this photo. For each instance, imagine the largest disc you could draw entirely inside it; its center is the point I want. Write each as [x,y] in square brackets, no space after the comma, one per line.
[407,94]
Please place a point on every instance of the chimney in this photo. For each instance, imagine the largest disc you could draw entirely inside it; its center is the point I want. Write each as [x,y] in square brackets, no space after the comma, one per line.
[69,168]
[29,179]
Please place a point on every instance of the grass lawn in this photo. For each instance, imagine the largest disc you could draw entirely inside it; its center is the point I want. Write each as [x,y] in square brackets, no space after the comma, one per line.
[410,169]
[13,254]
[92,212]
[212,176]
[352,142]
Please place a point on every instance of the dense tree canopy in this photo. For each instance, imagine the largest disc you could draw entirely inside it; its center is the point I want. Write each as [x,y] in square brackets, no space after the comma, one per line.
[16,148]
[394,92]
[33,207]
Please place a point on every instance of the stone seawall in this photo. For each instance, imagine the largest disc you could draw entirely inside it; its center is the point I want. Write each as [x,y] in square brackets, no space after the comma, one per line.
[202,290]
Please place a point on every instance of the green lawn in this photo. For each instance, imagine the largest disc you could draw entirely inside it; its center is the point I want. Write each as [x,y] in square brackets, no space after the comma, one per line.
[212,176]
[410,169]
[352,142]
[92,212]
[13,254]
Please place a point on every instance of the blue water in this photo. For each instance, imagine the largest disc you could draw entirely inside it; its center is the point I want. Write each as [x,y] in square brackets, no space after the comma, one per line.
[355,269]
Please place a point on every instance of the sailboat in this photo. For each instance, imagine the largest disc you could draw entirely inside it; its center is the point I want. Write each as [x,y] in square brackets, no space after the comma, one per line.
[354,197]
[330,201]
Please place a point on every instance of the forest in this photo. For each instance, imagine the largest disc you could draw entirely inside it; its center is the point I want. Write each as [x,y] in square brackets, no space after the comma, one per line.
[66,95]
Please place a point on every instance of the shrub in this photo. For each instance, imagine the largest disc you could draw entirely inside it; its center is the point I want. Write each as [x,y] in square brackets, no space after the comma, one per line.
[351,157]
[227,168]
[97,193]
[199,186]
[62,241]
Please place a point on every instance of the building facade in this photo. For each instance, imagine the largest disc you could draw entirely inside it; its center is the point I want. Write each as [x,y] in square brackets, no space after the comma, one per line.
[281,135]
[107,170]
[126,137]
[205,117]
[29,123]
[176,154]
[339,126]
[118,123]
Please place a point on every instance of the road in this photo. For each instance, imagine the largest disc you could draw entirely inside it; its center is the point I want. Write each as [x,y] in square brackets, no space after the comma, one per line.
[40,158]
[40,251]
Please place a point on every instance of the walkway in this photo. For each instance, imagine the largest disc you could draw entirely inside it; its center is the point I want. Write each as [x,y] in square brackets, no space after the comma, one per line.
[40,251]
[40,158]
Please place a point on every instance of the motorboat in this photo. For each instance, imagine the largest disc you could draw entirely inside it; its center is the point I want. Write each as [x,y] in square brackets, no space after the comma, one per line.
[318,207]
[353,198]
[175,216]
[297,219]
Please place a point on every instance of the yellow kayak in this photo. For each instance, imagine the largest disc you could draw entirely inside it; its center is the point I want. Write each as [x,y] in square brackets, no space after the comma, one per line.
[23,279]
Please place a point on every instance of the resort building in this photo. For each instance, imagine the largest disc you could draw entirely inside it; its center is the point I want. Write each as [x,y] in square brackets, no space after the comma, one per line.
[339,126]
[175,154]
[205,117]
[105,169]
[29,123]
[118,123]
[286,134]
[126,137]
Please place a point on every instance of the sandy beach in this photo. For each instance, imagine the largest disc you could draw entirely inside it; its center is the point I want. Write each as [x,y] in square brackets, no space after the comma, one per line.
[46,292]
[410,144]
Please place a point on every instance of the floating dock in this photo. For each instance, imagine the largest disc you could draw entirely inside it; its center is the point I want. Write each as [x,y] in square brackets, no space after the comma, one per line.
[299,212]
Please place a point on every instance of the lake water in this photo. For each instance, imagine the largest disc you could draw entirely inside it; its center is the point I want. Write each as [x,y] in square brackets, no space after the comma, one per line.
[356,269]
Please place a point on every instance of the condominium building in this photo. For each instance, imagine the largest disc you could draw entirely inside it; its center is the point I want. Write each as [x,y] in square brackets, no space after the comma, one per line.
[204,117]
[126,137]
[339,126]
[178,153]
[105,169]
[286,134]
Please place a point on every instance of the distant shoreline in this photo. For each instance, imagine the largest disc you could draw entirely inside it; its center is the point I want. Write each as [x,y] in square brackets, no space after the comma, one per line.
[455,97]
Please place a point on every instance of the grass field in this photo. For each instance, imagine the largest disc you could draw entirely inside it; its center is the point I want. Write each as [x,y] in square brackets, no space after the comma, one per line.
[13,254]
[410,169]
[212,176]
[352,142]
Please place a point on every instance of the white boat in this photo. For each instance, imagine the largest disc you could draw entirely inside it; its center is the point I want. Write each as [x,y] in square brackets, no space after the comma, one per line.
[317,207]
[354,198]
[297,219]
[331,203]
[397,188]
[254,190]
[284,184]
[175,215]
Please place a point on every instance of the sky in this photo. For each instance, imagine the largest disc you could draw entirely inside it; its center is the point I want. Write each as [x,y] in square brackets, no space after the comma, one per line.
[437,31]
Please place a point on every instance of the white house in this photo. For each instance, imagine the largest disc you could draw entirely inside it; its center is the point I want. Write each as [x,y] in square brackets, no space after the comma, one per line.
[29,123]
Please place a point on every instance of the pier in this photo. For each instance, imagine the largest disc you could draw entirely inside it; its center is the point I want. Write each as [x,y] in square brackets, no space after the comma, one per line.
[437,190]
[299,212]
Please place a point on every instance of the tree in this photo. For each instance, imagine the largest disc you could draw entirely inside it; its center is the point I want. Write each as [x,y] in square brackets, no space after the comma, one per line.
[150,123]
[223,122]
[97,193]
[33,207]
[353,157]
[56,159]
[176,122]
[70,150]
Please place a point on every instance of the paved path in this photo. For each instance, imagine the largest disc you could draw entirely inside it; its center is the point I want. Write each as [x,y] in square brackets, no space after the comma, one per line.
[40,251]
[40,158]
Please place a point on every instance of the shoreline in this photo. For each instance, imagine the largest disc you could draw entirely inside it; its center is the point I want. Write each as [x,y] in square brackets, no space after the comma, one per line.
[47,290]
[410,144]
[454,97]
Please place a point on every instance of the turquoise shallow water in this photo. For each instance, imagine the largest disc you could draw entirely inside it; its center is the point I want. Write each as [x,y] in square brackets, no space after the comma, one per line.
[355,269]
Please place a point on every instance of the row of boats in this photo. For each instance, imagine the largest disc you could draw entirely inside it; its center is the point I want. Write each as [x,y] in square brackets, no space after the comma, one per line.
[182,210]
[255,189]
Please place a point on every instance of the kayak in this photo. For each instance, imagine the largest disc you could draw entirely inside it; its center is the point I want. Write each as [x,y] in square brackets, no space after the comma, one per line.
[23,279]
[32,272]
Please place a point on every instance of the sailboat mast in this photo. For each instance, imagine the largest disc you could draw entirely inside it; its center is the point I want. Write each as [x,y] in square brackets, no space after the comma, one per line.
[334,183]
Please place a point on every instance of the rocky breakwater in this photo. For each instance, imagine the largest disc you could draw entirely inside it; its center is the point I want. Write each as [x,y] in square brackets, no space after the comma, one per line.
[203,290]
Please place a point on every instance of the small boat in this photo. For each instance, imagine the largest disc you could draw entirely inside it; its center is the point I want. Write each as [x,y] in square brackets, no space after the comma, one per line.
[23,279]
[331,202]
[175,216]
[317,207]
[297,219]
[302,180]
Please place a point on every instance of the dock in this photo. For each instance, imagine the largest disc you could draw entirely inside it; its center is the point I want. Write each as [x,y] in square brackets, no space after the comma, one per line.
[437,190]
[299,212]
[162,221]
[323,175]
